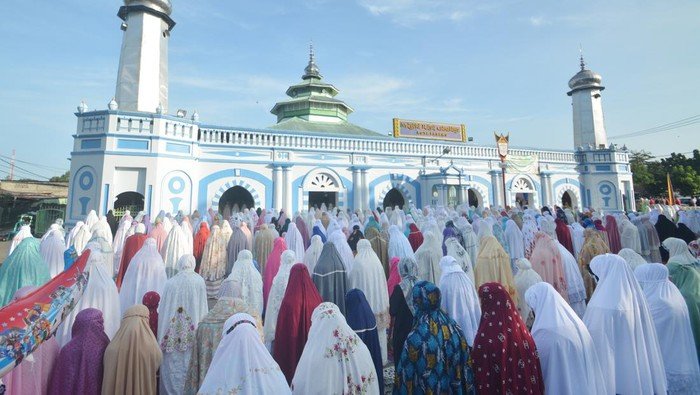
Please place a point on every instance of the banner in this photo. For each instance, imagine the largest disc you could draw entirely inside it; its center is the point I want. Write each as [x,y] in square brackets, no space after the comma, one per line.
[429,130]
[28,322]
[522,164]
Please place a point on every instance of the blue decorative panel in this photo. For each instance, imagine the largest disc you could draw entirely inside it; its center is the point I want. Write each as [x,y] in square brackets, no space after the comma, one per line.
[91,144]
[602,167]
[179,148]
[132,144]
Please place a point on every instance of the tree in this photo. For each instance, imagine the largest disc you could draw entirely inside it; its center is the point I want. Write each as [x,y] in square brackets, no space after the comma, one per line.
[649,175]
[65,177]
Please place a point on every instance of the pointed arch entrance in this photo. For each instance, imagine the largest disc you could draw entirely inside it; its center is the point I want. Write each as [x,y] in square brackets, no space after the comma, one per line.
[393,198]
[131,200]
[567,200]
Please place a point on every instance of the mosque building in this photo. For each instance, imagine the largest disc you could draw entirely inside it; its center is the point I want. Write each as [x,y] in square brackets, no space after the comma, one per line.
[138,155]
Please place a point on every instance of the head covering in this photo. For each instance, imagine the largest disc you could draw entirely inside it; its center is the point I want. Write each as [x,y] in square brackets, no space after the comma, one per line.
[547,262]
[132,245]
[368,276]
[459,298]
[632,258]
[151,300]
[504,355]
[330,276]
[213,266]
[200,240]
[398,244]
[183,305]
[564,235]
[493,264]
[678,252]
[159,234]
[514,238]
[566,350]
[263,242]
[594,245]
[428,258]
[236,243]
[295,242]
[338,239]
[100,293]
[51,248]
[456,251]
[146,272]
[208,337]
[393,279]
[241,362]
[132,358]
[294,319]
[620,323]
[244,282]
[279,286]
[338,352]
[687,279]
[273,265]
[415,237]
[176,245]
[361,319]
[313,253]
[672,323]
[81,360]
[436,340]
[22,268]
[525,279]
[25,231]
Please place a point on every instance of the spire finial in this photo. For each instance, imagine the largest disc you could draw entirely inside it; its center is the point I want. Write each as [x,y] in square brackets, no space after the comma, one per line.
[311,70]
[311,52]
[580,53]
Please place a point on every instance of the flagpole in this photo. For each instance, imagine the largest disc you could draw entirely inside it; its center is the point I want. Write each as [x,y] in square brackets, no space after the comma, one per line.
[670,189]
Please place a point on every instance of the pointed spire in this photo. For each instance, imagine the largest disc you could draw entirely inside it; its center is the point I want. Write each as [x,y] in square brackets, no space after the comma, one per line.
[580,52]
[311,70]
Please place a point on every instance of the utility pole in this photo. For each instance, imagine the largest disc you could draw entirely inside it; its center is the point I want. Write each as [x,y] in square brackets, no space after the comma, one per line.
[12,165]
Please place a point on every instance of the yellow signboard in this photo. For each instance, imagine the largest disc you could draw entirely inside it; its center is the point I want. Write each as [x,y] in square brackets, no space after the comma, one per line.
[429,130]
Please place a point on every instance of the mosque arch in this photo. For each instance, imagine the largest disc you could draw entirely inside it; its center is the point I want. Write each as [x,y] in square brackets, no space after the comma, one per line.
[235,199]
[235,194]
[523,192]
[474,198]
[323,186]
[393,198]
[568,194]
[129,200]
[401,182]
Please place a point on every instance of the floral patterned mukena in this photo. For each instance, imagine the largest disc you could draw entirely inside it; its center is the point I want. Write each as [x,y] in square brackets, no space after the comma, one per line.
[180,333]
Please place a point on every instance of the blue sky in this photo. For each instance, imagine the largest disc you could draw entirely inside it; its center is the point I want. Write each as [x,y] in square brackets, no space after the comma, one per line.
[493,65]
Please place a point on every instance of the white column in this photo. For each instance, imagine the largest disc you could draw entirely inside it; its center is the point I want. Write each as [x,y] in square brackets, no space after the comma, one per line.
[276,188]
[287,192]
[356,189]
[544,199]
[364,203]
[496,188]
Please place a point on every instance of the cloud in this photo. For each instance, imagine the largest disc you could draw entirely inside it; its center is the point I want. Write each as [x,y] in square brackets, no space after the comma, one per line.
[538,21]
[410,12]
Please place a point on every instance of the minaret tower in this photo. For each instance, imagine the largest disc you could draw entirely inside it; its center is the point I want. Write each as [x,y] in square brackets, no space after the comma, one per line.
[142,79]
[589,125]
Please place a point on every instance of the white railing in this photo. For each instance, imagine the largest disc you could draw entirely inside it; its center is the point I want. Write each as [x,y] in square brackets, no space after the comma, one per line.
[345,144]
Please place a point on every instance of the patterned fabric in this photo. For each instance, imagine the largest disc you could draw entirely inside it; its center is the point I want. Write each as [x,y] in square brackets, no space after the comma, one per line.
[180,333]
[504,357]
[435,357]
[593,245]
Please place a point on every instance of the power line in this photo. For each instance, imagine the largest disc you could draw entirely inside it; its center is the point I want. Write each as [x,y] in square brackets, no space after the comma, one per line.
[19,173]
[661,128]
[35,164]
[23,169]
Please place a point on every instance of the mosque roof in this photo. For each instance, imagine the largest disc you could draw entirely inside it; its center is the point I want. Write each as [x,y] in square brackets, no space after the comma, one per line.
[585,79]
[341,128]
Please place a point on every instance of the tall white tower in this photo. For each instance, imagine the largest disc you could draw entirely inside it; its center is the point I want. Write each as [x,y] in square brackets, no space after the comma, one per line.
[142,79]
[589,125]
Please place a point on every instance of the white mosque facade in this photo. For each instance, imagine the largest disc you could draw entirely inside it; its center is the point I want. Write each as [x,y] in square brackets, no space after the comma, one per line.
[135,154]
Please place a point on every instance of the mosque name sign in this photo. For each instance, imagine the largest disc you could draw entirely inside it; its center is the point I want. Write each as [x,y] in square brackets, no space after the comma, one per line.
[429,130]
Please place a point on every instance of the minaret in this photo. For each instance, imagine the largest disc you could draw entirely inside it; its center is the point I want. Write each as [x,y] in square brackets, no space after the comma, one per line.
[589,125]
[142,79]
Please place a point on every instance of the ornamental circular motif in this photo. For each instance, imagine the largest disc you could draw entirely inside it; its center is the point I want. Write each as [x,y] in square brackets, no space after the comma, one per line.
[176,185]
[86,180]
[605,189]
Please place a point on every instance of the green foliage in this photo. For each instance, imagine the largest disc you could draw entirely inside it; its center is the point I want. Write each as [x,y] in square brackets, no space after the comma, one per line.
[62,178]
[650,175]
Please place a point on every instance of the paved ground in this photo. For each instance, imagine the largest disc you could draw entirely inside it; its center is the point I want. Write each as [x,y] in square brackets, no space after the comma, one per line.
[4,247]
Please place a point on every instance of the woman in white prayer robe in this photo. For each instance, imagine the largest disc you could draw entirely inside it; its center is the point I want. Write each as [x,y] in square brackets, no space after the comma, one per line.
[344,360]
[81,238]
[399,245]
[103,226]
[242,364]
[623,331]
[459,298]
[100,293]
[313,253]
[368,276]
[338,238]
[274,300]
[244,282]
[471,240]
[632,258]
[568,356]
[456,251]
[514,240]
[577,237]
[174,248]
[182,306]
[629,235]
[52,247]
[526,278]
[295,242]
[146,272]
[672,322]
[428,258]
[575,287]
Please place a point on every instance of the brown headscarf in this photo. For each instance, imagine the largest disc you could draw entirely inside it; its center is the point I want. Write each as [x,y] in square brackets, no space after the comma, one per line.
[132,357]
[380,247]
[595,243]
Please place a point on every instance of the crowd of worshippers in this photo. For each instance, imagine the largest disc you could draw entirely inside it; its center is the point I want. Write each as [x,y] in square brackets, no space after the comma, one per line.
[432,300]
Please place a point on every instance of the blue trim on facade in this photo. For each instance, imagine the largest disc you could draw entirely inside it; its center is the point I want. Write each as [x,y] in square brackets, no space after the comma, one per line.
[296,185]
[232,173]
[149,196]
[91,144]
[178,148]
[105,199]
[134,144]
[404,179]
